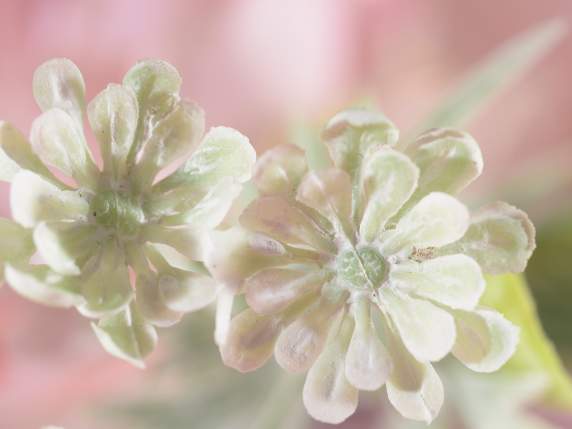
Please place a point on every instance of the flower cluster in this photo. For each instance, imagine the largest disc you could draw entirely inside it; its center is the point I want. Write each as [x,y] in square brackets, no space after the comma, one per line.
[365,273]
[121,242]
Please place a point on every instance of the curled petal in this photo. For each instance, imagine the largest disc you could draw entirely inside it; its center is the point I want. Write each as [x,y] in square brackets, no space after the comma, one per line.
[223,153]
[113,118]
[33,200]
[150,304]
[454,280]
[126,336]
[301,342]
[368,364]
[485,340]
[449,160]
[58,142]
[151,79]
[272,290]
[436,220]
[16,154]
[277,217]
[427,331]
[40,284]
[16,244]
[328,396]
[250,340]
[58,83]
[387,181]
[329,192]
[280,170]
[188,241]
[186,291]
[352,134]
[500,238]
[65,246]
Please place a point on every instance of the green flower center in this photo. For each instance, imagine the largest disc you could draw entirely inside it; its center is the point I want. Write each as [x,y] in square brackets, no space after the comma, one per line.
[362,268]
[118,211]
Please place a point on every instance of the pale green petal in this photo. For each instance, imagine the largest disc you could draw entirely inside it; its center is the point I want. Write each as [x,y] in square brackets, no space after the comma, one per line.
[224,152]
[427,331]
[65,246]
[279,218]
[422,404]
[16,242]
[272,290]
[173,137]
[368,363]
[448,160]
[150,304]
[40,284]
[352,134]
[328,396]
[127,336]
[485,340]
[108,288]
[329,192]
[113,118]
[387,180]
[280,170]
[187,240]
[186,291]
[16,154]
[250,340]
[301,342]
[501,238]
[236,254]
[414,388]
[455,280]
[58,142]
[58,83]
[438,219]
[33,200]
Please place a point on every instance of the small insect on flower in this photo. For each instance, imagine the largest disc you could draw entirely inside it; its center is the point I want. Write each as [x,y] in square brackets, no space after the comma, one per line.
[365,273]
[94,228]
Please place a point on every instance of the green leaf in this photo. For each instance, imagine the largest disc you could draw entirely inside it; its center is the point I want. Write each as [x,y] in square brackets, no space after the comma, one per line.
[502,67]
[536,354]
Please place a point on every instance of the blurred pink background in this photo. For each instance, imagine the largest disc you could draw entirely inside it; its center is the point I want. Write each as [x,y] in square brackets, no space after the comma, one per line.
[258,65]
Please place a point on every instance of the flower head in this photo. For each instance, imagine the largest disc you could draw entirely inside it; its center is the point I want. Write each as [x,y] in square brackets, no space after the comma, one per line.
[96,226]
[365,273]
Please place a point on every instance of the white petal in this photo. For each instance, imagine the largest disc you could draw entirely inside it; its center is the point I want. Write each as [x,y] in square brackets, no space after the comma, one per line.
[40,284]
[150,79]
[422,404]
[188,241]
[186,291]
[368,363]
[427,331]
[127,336]
[387,181]
[500,238]
[58,142]
[113,119]
[328,396]
[16,244]
[16,154]
[301,342]
[351,134]
[65,246]
[272,290]
[329,192]
[33,200]
[223,316]
[149,303]
[436,220]
[485,340]
[224,152]
[454,280]
[250,341]
[280,169]
[279,218]
[58,83]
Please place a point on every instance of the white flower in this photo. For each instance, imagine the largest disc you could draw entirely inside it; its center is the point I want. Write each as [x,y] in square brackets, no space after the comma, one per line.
[366,272]
[94,227]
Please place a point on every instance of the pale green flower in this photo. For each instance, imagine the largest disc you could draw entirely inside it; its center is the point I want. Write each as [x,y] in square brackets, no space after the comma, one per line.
[97,226]
[366,272]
